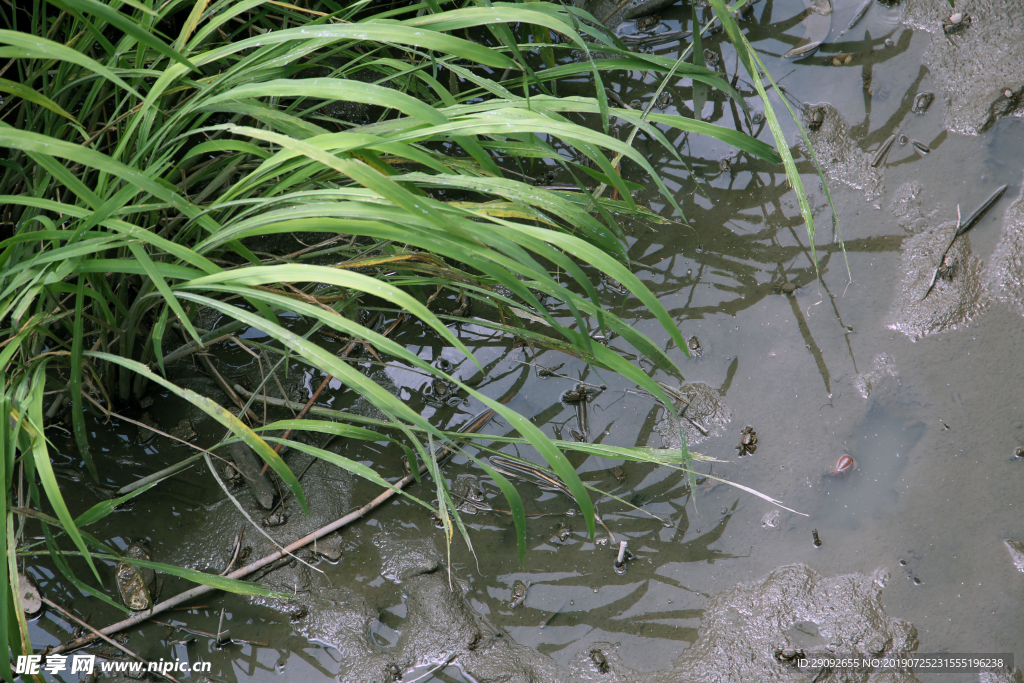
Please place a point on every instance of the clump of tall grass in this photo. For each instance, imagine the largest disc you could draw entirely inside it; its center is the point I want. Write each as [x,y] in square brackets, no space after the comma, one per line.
[148,148]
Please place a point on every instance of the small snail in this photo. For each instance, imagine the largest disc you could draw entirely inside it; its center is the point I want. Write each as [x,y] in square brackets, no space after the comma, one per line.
[843,467]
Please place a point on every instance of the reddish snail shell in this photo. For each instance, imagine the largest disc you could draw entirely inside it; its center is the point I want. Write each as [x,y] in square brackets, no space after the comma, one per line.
[844,466]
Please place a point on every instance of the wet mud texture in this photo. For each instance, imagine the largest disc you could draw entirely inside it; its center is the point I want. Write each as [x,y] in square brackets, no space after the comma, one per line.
[839,155]
[1004,278]
[953,301]
[977,62]
[705,407]
[741,631]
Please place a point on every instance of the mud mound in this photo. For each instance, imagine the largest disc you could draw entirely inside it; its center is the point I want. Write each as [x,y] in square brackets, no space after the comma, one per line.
[1004,278]
[956,297]
[977,61]
[839,155]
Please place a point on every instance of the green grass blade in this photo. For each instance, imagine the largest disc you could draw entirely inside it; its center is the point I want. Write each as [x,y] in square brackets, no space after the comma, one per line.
[25,46]
[30,95]
[41,460]
[75,387]
[129,25]
[139,252]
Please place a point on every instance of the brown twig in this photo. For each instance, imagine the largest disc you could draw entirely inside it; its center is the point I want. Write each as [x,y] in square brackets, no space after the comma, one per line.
[181,598]
[226,388]
[97,635]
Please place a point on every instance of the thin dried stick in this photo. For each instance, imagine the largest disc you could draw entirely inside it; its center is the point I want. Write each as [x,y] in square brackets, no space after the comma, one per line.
[226,388]
[100,636]
[181,598]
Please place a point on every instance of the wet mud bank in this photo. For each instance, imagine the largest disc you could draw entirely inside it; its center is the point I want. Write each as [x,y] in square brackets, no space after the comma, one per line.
[912,372]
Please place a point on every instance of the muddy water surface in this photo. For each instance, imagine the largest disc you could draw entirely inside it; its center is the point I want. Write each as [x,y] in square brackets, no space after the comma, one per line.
[925,393]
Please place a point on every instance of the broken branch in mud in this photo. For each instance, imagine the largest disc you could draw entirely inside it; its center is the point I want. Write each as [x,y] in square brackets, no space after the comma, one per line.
[100,636]
[248,569]
[181,598]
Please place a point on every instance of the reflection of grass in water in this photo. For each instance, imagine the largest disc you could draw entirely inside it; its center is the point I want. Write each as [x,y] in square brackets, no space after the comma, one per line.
[294,172]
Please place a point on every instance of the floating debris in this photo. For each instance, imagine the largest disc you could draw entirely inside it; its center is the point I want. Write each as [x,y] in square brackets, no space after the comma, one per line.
[922,101]
[624,556]
[902,140]
[883,151]
[860,14]
[803,50]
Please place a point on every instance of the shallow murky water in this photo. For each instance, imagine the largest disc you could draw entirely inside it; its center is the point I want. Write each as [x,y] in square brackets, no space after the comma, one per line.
[926,396]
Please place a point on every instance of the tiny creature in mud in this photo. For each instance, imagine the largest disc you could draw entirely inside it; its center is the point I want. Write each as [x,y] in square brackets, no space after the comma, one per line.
[956,22]
[613,285]
[648,23]
[544,372]
[922,101]
[817,540]
[789,655]
[183,430]
[137,585]
[815,117]
[787,288]
[463,309]
[694,345]
[518,594]
[275,519]
[748,441]
[599,660]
